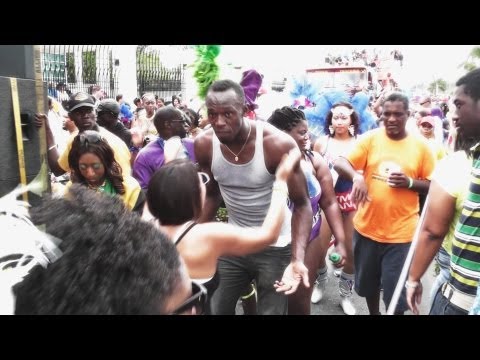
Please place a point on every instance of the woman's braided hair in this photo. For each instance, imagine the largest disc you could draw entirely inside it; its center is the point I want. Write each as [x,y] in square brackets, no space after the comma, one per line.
[286,118]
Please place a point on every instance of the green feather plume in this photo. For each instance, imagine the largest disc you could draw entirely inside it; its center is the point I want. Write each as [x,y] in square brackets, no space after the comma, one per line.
[206,69]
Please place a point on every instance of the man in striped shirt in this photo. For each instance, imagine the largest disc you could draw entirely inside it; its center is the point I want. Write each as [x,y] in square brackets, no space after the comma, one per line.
[456,297]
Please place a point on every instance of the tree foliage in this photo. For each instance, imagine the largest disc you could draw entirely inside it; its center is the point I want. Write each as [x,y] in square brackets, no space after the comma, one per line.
[437,86]
[473,59]
[89,67]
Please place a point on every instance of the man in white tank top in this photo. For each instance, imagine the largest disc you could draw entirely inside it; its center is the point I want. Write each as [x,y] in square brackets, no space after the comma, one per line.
[241,157]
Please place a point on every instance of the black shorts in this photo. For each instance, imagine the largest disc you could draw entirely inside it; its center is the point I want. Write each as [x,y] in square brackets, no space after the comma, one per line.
[378,265]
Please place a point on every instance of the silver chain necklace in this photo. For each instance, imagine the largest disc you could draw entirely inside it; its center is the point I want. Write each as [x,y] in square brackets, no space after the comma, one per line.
[248,136]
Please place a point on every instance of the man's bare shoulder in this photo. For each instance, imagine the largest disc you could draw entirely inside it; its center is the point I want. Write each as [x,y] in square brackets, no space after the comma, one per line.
[275,137]
[204,138]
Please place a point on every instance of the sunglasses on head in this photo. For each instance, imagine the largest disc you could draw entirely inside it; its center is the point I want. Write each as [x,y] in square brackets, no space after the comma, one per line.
[204,176]
[197,302]
[89,137]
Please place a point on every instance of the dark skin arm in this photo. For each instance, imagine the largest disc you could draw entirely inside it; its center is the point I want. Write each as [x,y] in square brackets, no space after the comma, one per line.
[359,190]
[275,148]
[400,180]
[329,205]
[52,153]
[439,213]
[276,143]
[203,154]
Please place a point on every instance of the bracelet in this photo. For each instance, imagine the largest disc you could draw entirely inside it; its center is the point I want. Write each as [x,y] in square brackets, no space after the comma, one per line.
[280,186]
[52,147]
[410,182]
[412,284]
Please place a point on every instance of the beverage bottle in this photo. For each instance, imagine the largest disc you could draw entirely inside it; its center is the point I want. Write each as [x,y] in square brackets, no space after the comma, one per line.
[335,258]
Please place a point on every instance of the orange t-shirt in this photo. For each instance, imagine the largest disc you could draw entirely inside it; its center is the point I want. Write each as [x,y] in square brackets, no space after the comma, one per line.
[392,214]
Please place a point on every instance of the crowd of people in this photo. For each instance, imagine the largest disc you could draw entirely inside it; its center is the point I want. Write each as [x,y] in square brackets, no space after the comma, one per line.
[135,216]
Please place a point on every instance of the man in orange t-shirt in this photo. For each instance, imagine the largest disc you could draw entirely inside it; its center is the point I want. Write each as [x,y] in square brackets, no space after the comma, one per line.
[396,167]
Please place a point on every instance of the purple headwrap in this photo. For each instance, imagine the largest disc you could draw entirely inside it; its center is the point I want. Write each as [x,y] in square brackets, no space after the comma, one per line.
[251,83]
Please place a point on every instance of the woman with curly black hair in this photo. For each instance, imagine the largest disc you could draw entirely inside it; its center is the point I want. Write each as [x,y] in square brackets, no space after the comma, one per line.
[92,163]
[112,263]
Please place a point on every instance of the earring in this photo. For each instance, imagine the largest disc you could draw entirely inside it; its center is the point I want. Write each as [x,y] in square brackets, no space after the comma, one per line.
[351,130]
[331,129]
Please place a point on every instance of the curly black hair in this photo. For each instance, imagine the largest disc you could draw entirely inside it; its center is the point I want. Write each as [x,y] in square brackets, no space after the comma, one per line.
[112,264]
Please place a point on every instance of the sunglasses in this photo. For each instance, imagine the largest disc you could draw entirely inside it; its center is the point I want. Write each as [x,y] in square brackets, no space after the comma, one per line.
[89,137]
[182,121]
[204,176]
[185,120]
[101,113]
[197,301]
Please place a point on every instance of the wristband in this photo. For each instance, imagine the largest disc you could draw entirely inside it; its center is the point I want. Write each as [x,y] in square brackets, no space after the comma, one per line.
[412,284]
[410,182]
[52,147]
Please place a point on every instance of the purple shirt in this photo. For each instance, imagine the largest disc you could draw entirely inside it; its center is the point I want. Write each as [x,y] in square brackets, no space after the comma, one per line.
[151,158]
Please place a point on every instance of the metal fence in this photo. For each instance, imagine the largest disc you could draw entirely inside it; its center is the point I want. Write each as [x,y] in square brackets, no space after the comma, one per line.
[154,77]
[79,67]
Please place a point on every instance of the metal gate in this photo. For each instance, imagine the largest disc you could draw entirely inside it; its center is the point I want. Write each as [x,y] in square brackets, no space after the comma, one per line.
[154,77]
[79,67]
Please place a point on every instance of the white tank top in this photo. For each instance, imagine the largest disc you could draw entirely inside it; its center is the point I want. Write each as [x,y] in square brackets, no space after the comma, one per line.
[247,188]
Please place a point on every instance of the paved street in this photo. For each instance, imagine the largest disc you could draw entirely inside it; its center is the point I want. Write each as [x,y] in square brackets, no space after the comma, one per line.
[330,304]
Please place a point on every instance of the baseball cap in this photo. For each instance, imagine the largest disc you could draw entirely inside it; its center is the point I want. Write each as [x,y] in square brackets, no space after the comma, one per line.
[109,105]
[80,99]
[427,120]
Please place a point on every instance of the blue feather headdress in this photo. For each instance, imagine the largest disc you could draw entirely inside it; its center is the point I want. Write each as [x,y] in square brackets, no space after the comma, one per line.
[323,102]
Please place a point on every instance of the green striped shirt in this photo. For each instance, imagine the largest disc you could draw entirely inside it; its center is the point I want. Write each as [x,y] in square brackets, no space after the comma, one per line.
[465,259]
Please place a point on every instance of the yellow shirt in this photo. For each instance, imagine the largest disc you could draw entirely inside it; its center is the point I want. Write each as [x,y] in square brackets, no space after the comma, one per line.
[453,176]
[437,149]
[120,151]
[132,191]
